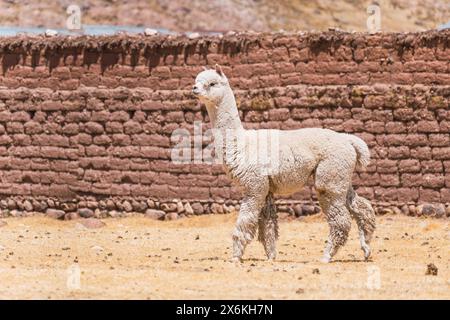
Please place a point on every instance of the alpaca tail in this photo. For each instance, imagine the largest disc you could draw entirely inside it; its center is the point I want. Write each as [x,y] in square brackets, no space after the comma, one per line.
[268,226]
[362,151]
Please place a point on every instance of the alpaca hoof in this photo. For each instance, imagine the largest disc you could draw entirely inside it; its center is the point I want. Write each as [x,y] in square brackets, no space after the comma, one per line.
[236,260]
[325,259]
[271,257]
[366,253]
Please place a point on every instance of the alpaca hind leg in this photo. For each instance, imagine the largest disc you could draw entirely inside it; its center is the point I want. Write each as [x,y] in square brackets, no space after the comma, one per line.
[332,180]
[246,224]
[339,221]
[268,227]
[363,213]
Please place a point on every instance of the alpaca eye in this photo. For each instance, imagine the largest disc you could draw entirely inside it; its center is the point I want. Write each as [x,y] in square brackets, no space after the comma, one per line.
[213,84]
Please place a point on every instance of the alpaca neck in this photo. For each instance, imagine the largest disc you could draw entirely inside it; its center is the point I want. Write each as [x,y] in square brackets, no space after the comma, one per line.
[225,115]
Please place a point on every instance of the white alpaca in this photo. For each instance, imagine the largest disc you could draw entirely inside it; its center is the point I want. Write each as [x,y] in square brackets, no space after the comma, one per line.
[281,163]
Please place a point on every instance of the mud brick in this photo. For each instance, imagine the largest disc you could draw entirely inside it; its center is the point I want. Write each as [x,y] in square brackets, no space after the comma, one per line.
[409,165]
[148,177]
[20,164]
[301,113]
[422,153]
[395,127]
[107,189]
[432,166]
[441,153]
[254,116]
[102,140]
[399,152]
[20,116]
[24,152]
[121,116]
[121,139]
[433,181]
[403,114]
[77,117]
[93,128]
[386,194]
[5,140]
[361,114]
[407,194]
[175,116]
[389,180]
[95,151]
[429,195]
[52,106]
[444,127]
[353,125]
[151,140]
[387,166]
[193,193]
[150,105]
[375,126]
[67,178]
[14,127]
[219,193]
[52,152]
[160,191]
[114,127]
[369,179]
[21,139]
[81,139]
[394,140]
[154,152]
[279,114]
[445,195]
[69,129]
[415,140]
[411,180]
[446,166]
[428,126]
[132,127]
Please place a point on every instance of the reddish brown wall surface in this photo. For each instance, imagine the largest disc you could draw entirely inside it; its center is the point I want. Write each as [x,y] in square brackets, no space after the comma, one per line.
[87,121]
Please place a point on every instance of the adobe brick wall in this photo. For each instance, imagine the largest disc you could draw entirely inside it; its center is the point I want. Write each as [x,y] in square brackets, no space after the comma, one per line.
[85,122]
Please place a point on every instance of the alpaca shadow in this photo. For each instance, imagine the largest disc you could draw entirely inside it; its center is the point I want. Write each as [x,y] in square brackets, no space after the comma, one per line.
[275,261]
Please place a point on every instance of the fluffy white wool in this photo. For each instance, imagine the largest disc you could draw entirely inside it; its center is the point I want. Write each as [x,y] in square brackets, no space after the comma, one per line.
[268,162]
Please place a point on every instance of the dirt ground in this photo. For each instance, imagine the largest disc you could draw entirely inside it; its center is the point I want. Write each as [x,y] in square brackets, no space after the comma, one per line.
[139,258]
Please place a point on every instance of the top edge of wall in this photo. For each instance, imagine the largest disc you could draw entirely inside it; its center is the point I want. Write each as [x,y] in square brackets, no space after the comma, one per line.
[136,41]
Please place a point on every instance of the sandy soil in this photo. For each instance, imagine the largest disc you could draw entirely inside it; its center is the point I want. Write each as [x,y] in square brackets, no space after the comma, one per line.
[188,259]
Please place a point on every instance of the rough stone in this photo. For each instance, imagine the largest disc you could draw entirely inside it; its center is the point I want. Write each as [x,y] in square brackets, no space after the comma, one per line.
[197,208]
[71,216]
[155,214]
[85,213]
[189,210]
[171,216]
[55,213]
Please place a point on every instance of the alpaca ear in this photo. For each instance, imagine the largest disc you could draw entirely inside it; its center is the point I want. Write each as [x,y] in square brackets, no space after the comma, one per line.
[219,70]
[205,68]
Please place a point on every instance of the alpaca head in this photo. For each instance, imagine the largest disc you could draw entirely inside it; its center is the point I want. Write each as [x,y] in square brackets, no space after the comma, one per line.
[211,85]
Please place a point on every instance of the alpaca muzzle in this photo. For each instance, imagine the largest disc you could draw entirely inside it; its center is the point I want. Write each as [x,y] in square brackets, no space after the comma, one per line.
[195,90]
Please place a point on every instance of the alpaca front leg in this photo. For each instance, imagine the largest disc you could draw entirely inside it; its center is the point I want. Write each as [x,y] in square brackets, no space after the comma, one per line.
[246,225]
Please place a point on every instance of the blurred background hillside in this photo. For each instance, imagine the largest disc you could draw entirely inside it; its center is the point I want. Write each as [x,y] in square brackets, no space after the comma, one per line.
[223,15]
